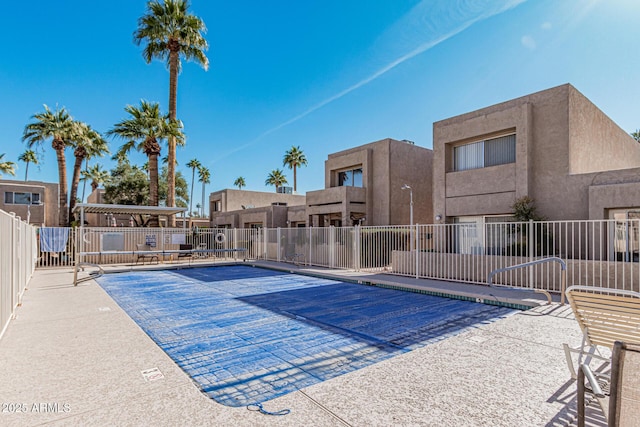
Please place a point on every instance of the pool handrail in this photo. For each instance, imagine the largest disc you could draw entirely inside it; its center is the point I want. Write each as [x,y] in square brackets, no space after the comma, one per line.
[563,274]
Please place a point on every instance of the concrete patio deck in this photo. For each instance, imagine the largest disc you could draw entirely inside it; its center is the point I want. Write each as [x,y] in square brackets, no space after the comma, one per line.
[73,357]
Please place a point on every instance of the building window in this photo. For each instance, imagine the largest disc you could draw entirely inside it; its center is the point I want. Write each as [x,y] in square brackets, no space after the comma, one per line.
[216,205]
[13,198]
[483,154]
[350,178]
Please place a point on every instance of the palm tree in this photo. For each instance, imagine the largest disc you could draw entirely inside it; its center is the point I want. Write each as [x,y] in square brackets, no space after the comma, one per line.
[276,177]
[203,177]
[7,167]
[294,158]
[96,175]
[29,156]
[239,182]
[170,33]
[636,135]
[144,131]
[56,125]
[87,143]
[193,164]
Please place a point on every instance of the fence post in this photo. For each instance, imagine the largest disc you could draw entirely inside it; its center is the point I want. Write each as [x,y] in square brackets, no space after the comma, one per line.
[278,248]
[332,247]
[417,251]
[310,244]
[356,248]
[162,244]
[263,231]
[531,247]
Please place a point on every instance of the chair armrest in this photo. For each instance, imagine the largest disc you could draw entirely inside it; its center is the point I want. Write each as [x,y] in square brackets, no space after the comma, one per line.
[593,382]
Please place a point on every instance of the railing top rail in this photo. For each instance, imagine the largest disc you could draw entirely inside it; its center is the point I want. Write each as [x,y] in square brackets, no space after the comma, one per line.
[560,261]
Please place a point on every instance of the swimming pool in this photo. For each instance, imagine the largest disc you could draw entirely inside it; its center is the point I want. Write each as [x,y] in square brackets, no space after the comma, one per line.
[246,335]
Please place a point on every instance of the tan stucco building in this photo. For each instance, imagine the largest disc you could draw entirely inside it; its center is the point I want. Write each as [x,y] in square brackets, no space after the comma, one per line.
[363,185]
[554,146]
[231,208]
[38,201]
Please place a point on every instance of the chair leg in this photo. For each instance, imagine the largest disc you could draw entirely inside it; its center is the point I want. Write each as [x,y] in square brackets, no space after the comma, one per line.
[580,402]
[567,355]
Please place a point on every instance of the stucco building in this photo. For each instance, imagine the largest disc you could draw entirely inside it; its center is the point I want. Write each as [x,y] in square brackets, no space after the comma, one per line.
[363,185]
[554,146]
[231,208]
[33,200]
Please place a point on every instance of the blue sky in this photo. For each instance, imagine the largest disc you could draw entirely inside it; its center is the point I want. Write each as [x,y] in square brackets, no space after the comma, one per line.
[323,75]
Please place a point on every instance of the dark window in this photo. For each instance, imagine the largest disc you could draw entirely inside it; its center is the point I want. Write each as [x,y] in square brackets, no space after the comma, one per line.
[13,198]
[350,178]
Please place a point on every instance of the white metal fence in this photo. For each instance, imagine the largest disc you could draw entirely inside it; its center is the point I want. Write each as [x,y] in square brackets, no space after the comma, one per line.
[597,253]
[17,263]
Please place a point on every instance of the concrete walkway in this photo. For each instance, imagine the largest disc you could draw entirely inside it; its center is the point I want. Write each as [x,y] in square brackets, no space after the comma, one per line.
[73,357]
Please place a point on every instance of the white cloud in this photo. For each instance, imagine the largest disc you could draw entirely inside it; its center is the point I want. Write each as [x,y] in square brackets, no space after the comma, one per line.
[546,25]
[528,42]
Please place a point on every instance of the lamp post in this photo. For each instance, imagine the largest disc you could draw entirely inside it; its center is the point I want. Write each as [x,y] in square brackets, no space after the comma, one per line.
[406,187]
[29,209]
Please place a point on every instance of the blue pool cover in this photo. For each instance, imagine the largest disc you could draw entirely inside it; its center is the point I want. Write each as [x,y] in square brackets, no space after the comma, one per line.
[247,335]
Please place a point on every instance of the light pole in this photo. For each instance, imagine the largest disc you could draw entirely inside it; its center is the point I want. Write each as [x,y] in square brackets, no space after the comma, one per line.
[406,187]
[29,209]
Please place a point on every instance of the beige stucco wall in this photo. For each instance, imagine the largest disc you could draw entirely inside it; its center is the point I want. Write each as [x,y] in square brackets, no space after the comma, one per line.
[411,165]
[387,165]
[265,216]
[596,143]
[233,200]
[562,142]
[456,193]
[46,214]
[618,189]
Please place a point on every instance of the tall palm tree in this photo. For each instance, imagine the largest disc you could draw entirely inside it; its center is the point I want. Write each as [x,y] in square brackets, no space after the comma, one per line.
[7,167]
[294,158]
[87,143]
[276,177]
[171,32]
[144,131]
[56,125]
[193,164]
[96,175]
[29,156]
[203,176]
[239,182]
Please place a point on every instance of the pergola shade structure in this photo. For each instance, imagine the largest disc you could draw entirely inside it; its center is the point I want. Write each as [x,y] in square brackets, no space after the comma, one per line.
[96,208]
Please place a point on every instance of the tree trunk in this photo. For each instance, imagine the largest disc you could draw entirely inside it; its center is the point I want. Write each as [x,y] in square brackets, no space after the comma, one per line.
[59,146]
[295,180]
[84,183]
[203,184]
[193,177]
[153,187]
[26,172]
[75,180]
[174,58]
